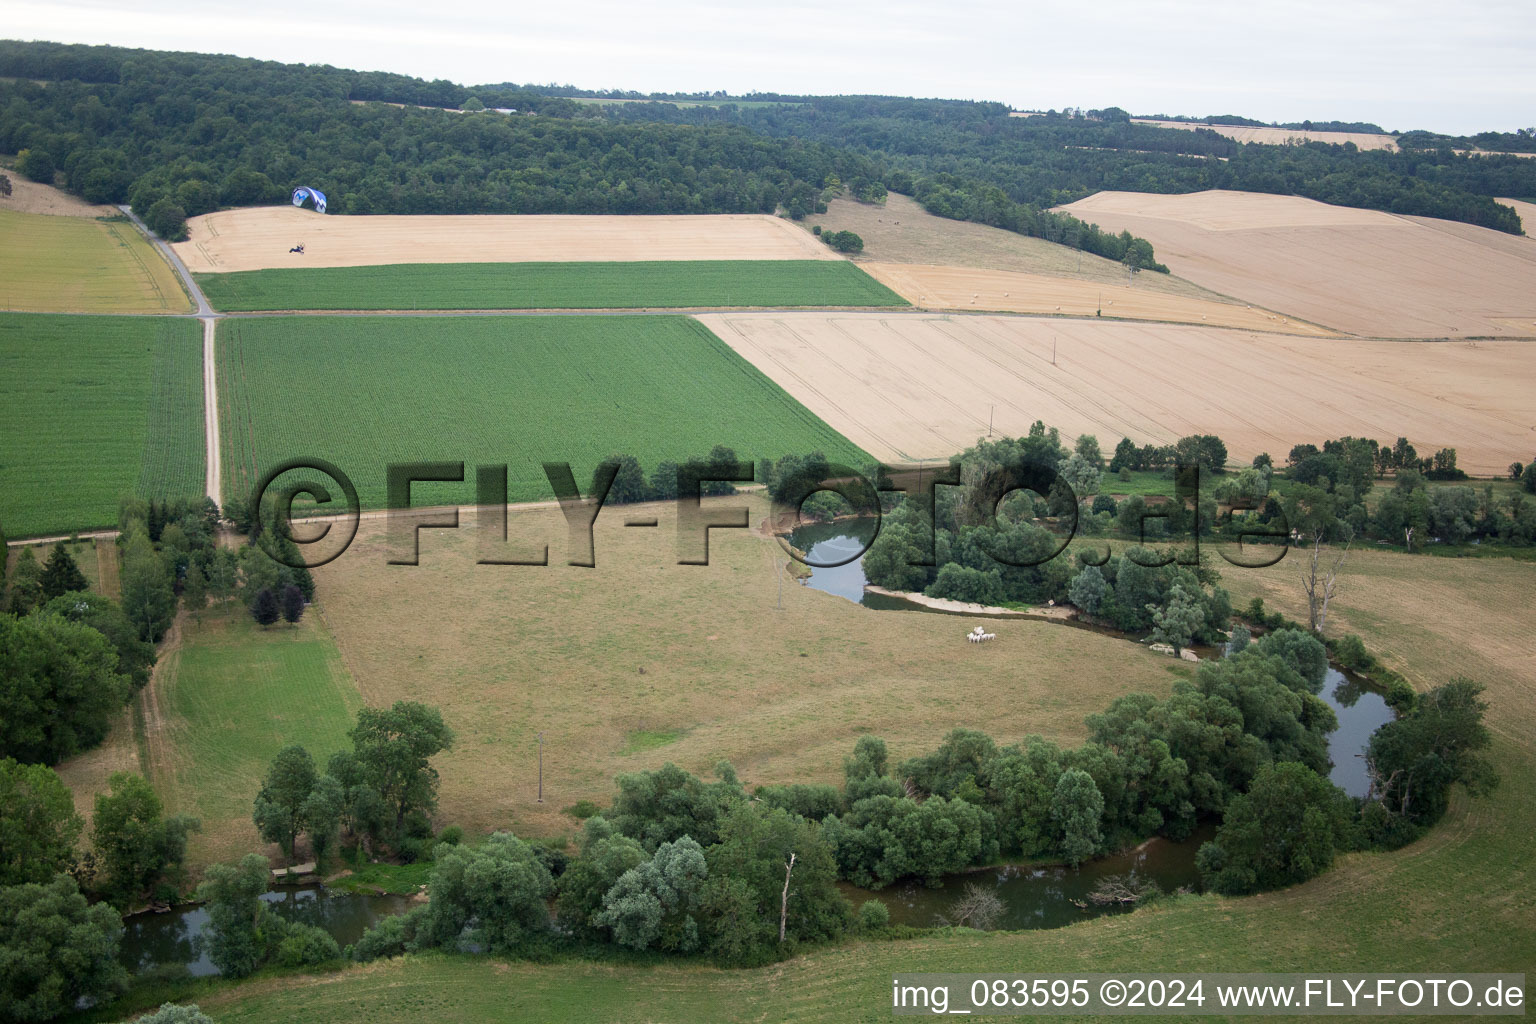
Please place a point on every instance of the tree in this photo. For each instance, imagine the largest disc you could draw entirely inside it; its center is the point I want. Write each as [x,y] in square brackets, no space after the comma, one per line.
[61,688]
[167,219]
[655,905]
[628,483]
[1077,808]
[36,164]
[233,893]
[141,850]
[265,608]
[293,604]
[279,808]
[26,589]
[605,856]
[843,241]
[56,949]
[5,185]
[1284,830]
[497,891]
[1320,581]
[1178,619]
[1415,760]
[135,657]
[1087,446]
[783,883]
[38,823]
[148,600]
[61,575]
[956,582]
[1088,589]
[670,803]
[1083,476]
[883,838]
[394,746]
[322,813]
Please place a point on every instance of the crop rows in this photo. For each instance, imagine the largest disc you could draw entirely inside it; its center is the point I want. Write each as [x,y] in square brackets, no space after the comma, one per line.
[362,392]
[650,285]
[77,264]
[92,409]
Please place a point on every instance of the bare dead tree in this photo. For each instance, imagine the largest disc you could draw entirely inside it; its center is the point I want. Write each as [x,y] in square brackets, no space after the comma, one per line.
[1123,890]
[784,900]
[978,907]
[1320,582]
[1398,782]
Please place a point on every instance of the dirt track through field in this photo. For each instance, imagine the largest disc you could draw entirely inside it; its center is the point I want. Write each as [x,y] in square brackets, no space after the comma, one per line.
[912,386]
[259,238]
[1367,273]
[966,288]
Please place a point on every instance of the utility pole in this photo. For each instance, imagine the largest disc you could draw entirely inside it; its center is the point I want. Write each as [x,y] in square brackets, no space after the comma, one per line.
[781,582]
[1053,350]
[991,411]
[541,767]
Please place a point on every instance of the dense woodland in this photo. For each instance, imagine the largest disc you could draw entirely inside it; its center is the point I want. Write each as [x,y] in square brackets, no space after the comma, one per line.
[181,134]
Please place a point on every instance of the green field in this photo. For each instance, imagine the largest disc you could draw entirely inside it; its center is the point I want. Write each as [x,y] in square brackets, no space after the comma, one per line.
[363,392]
[653,285]
[225,701]
[91,409]
[83,265]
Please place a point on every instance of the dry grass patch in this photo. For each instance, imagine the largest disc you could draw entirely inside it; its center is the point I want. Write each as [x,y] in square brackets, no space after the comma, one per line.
[28,196]
[1360,271]
[1279,136]
[966,288]
[259,238]
[901,231]
[640,661]
[925,386]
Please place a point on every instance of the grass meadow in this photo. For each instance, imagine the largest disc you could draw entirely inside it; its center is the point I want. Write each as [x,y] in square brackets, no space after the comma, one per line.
[639,661]
[91,409]
[1461,899]
[363,392]
[648,285]
[227,696]
[83,265]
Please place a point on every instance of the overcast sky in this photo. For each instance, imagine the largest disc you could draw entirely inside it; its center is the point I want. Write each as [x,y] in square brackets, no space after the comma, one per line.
[1452,67]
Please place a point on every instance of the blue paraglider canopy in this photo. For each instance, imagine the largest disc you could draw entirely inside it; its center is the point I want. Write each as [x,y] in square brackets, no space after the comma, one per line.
[301,194]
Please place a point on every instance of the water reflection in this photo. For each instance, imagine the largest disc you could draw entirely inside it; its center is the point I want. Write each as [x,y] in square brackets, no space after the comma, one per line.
[1049,896]
[161,941]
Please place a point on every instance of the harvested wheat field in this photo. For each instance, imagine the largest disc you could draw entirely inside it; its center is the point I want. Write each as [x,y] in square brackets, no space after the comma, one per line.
[1360,271]
[1279,136]
[259,239]
[901,231]
[1527,212]
[910,386]
[967,288]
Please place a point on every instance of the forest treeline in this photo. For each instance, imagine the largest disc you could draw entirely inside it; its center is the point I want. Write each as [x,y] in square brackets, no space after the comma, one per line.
[195,132]
[1059,157]
[179,134]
